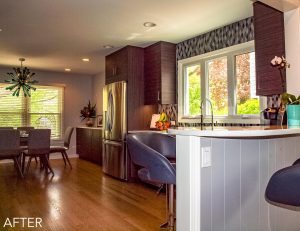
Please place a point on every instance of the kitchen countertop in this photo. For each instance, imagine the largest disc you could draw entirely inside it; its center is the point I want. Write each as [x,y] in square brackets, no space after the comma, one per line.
[237,132]
[156,131]
[89,127]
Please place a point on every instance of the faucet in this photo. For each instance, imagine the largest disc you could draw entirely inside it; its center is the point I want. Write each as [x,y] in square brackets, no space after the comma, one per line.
[211,109]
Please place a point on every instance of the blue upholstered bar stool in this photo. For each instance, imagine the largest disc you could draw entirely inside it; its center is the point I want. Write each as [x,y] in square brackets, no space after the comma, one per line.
[153,152]
[283,188]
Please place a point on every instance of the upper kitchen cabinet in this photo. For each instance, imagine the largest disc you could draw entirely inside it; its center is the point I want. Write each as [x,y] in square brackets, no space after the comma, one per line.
[269,42]
[122,63]
[160,73]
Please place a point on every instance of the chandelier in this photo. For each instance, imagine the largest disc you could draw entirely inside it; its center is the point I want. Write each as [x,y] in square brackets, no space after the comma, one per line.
[21,79]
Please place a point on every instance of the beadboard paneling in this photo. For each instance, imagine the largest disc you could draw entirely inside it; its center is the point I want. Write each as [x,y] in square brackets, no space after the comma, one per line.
[231,192]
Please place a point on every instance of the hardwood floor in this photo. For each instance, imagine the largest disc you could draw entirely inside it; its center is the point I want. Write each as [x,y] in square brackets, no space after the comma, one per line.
[79,199]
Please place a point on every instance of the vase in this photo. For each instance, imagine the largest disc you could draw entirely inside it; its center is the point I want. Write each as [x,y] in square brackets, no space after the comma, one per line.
[293,115]
[89,122]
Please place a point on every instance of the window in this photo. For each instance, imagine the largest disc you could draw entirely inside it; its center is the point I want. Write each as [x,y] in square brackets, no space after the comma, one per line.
[217,85]
[227,78]
[193,89]
[247,101]
[44,109]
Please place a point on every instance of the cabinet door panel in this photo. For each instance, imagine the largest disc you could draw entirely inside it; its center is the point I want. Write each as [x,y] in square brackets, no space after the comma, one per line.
[96,147]
[152,72]
[269,42]
[168,73]
[116,66]
[160,73]
[83,140]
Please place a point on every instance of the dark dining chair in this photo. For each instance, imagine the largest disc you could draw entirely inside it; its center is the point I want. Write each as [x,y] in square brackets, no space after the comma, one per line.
[10,147]
[38,146]
[150,152]
[63,149]
[24,140]
[26,129]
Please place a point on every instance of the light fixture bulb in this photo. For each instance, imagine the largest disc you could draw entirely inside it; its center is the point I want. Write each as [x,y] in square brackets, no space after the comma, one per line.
[85,59]
[67,69]
[149,24]
[108,46]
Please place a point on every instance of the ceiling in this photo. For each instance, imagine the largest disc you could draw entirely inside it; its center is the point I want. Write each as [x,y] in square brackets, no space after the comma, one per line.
[54,35]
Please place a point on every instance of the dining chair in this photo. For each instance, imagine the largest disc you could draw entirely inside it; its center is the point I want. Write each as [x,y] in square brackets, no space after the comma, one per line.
[63,149]
[24,140]
[6,128]
[26,129]
[38,146]
[10,147]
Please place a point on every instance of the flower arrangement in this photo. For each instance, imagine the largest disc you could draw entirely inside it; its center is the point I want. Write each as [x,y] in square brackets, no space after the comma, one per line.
[286,98]
[88,111]
[281,64]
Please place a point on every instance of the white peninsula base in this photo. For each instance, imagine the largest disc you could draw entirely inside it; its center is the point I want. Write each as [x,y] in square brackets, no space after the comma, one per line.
[228,194]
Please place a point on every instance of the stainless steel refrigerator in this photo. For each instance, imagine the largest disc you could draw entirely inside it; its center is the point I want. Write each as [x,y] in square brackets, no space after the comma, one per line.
[114,130]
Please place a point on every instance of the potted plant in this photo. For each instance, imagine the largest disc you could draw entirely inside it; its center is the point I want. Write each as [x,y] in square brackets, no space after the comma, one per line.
[88,112]
[291,104]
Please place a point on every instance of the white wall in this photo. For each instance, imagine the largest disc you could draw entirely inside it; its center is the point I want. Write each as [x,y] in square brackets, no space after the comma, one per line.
[78,91]
[292,47]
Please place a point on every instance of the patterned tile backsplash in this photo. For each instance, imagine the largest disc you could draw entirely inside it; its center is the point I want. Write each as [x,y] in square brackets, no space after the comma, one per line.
[226,36]
[170,110]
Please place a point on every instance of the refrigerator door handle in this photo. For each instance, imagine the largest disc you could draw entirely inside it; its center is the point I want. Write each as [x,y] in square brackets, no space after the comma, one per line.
[105,120]
[112,143]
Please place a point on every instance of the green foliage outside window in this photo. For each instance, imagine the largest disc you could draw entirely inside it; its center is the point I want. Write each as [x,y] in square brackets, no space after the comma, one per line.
[251,106]
[194,84]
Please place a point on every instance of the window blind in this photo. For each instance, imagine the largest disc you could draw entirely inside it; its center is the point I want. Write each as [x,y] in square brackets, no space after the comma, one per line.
[44,109]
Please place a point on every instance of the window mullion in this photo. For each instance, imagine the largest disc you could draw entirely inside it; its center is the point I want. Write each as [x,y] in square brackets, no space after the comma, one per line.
[231,85]
[204,84]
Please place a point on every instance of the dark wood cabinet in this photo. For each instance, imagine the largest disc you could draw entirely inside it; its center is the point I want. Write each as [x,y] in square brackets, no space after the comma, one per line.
[116,66]
[120,65]
[269,42]
[89,144]
[127,64]
[160,73]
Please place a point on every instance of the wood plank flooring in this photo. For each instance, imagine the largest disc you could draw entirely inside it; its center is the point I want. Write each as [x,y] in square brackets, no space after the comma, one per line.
[79,199]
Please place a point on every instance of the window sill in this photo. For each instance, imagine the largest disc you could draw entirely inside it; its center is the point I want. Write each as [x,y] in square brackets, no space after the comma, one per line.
[224,119]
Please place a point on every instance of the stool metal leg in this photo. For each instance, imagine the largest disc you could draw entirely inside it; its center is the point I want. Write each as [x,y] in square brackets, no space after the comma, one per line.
[170,224]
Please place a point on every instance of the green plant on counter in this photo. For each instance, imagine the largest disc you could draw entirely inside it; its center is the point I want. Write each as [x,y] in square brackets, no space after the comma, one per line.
[88,111]
[289,99]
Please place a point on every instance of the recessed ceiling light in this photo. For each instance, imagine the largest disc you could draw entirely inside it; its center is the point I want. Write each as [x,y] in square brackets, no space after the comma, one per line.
[67,69]
[0,29]
[85,59]
[108,46]
[149,24]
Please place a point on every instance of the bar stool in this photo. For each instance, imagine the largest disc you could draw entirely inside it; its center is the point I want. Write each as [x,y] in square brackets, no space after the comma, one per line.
[283,189]
[155,166]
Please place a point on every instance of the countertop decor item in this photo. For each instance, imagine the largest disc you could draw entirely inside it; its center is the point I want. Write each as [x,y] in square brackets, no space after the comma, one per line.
[281,64]
[286,98]
[291,104]
[88,112]
[163,122]
[99,120]
[270,113]
[21,79]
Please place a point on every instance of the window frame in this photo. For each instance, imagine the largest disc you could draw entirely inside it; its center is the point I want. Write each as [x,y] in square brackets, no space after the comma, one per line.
[230,53]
